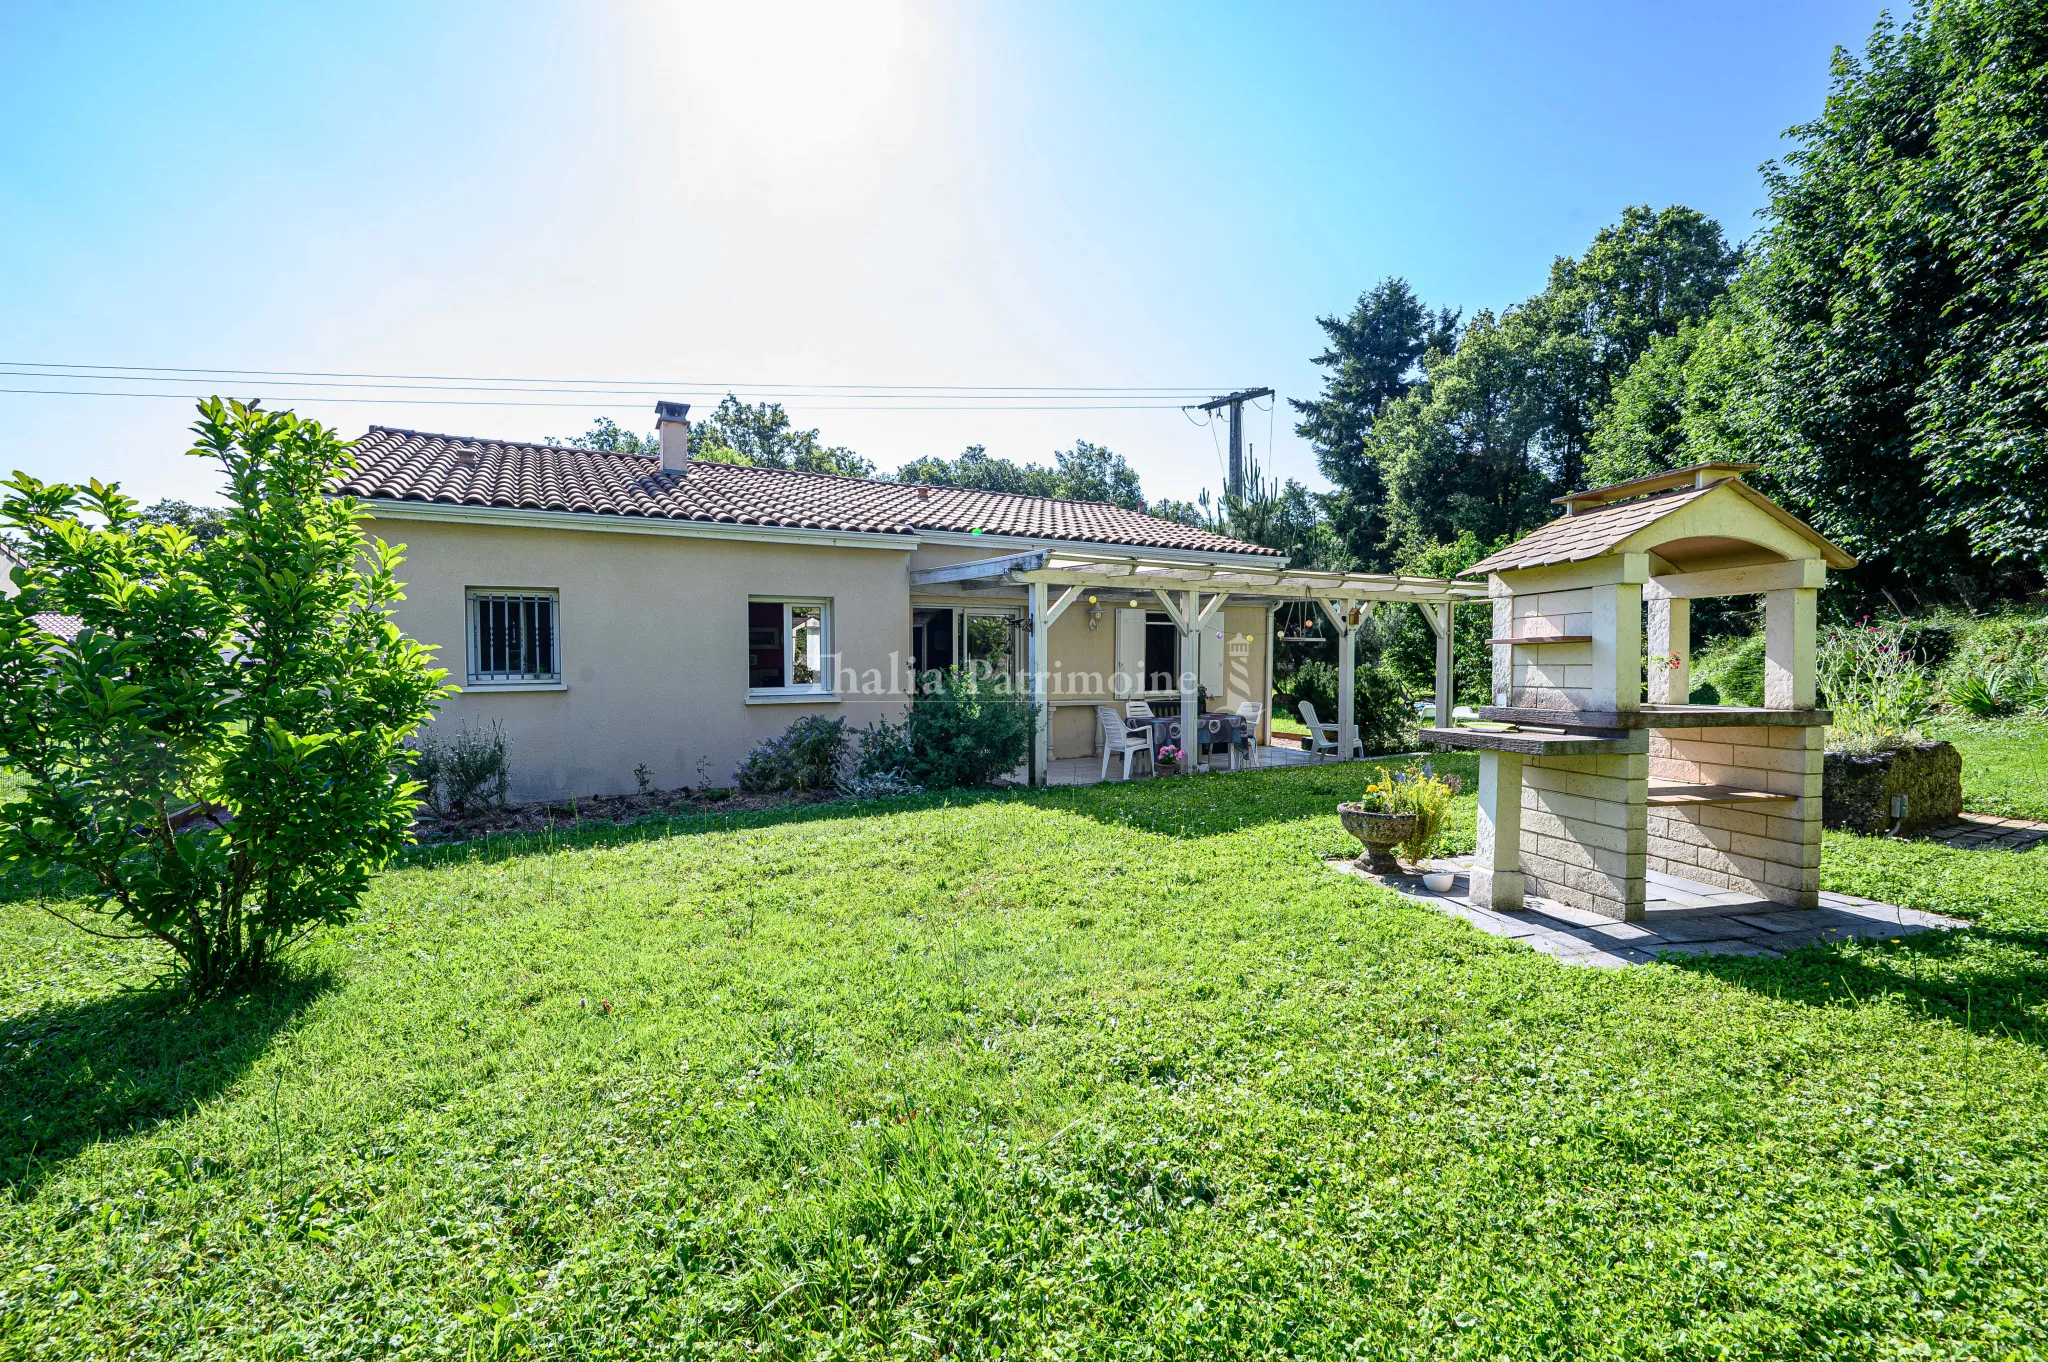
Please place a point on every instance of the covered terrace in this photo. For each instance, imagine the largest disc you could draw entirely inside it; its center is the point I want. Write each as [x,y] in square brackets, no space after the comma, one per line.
[1191,595]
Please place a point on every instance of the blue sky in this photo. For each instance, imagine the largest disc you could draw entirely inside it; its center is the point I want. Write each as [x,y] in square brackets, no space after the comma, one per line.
[687,197]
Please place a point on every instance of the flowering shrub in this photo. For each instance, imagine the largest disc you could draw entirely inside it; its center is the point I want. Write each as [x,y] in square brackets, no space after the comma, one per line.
[1879,693]
[1170,755]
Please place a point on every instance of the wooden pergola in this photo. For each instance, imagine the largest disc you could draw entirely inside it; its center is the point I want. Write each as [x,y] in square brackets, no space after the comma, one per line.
[1191,593]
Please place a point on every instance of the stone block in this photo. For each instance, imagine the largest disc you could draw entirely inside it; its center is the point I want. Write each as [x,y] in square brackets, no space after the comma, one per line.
[1576,832]
[1793,877]
[1857,790]
[1747,868]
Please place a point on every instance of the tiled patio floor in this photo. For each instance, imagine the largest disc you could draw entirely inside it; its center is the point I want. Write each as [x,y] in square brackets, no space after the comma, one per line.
[1684,918]
[1088,770]
[1983,830]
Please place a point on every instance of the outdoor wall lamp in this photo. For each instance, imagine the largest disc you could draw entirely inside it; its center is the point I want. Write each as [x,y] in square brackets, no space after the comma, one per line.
[1094,613]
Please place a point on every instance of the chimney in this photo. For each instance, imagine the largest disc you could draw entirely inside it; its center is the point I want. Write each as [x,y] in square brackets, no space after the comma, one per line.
[672,428]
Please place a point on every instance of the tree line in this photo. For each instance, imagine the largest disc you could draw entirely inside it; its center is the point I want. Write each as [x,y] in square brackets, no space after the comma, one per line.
[1879,347]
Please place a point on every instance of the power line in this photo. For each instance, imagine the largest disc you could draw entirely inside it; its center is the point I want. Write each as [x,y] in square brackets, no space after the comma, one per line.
[146,373]
[579,406]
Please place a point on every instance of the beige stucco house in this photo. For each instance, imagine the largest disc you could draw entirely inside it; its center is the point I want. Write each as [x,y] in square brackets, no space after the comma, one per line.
[618,611]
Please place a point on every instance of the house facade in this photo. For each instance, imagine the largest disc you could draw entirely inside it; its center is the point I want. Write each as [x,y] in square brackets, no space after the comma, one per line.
[615,612]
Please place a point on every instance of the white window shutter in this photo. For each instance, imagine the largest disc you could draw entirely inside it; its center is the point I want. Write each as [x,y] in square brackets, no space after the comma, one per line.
[1212,658]
[1130,652]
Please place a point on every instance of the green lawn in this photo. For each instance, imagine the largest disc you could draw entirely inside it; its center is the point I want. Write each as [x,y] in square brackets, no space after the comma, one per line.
[2005,764]
[1114,1072]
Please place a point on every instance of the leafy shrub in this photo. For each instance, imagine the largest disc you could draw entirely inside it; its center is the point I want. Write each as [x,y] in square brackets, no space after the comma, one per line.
[478,768]
[878,785]
[1380,707]
[1879,693]
[966,731]
[808,755]
[430,769]
[2000,690]
[471,770]
[1730,673]
[2001,668]
[220,751]
[882,748]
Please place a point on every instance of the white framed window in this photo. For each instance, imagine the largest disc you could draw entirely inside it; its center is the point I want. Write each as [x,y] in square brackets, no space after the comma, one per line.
[789,647]
[515,638]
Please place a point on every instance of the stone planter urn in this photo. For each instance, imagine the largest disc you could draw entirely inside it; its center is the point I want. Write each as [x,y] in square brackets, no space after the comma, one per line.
[1380,833]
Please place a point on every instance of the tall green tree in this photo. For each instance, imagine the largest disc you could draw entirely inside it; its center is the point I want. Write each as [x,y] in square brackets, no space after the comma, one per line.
[1087,472]
[1884,355]
[1462,452]
[1691,397]
[1275,515]
[1372,356]
[610,437]
[761,434]
[1904,293]
[1640,280]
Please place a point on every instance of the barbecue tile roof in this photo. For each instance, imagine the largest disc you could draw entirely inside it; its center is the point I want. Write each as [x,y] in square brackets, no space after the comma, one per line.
[454,470]
[1599,530]
[1574,538]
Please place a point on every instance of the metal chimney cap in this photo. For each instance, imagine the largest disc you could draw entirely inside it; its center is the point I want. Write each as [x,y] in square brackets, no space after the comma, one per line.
[671,411]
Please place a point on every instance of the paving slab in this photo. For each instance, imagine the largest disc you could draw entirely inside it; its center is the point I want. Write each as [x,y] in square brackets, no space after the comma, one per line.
[1723,923]
[1714,948]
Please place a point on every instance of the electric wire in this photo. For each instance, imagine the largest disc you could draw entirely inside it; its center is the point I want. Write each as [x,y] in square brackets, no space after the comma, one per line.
[394,401]
[344,379]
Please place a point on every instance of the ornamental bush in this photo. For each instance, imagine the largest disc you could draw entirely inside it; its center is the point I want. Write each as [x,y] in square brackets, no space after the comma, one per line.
[218,755]
[808,755]
[1380,706]
[964,730]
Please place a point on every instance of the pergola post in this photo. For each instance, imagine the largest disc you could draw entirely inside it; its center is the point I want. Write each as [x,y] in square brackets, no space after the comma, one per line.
[1036,682]
[1190,678]
[1440,617]
[1347,683]
[1265,734]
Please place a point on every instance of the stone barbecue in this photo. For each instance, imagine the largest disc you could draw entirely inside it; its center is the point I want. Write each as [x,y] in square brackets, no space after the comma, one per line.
[1597,772]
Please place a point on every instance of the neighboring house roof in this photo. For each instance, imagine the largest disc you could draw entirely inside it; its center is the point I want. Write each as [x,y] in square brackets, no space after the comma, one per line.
[452,470]
[1604,529]
[65,627]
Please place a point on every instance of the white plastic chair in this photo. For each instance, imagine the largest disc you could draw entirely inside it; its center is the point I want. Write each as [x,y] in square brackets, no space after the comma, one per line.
[1137,709]
[1322,737]
[1250,711]
[1117,737]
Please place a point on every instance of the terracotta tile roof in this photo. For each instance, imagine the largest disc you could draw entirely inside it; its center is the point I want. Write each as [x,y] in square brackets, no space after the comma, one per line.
[453,470]
[1573,538]
[65,627]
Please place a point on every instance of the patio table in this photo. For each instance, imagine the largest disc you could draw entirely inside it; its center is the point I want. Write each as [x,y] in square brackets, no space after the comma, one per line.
[1217,732]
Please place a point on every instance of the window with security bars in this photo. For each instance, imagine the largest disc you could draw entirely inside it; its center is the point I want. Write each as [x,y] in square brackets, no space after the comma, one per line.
[512,637]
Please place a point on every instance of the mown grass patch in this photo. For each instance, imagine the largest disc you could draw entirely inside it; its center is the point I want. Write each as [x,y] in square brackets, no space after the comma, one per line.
[1084,1073]
[2005,764]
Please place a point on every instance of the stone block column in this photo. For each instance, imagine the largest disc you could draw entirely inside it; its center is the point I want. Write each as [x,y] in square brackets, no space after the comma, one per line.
[1670,637]
[1790,641]
[1497,863]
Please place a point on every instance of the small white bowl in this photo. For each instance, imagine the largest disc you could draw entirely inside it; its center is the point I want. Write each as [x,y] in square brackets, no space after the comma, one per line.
[1438,881]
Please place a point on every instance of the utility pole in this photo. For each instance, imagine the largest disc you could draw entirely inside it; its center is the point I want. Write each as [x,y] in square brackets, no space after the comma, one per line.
[1235,401]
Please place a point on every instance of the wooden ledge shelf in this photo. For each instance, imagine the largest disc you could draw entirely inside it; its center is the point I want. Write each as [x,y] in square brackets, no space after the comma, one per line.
[1673,792]
[1545,638]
